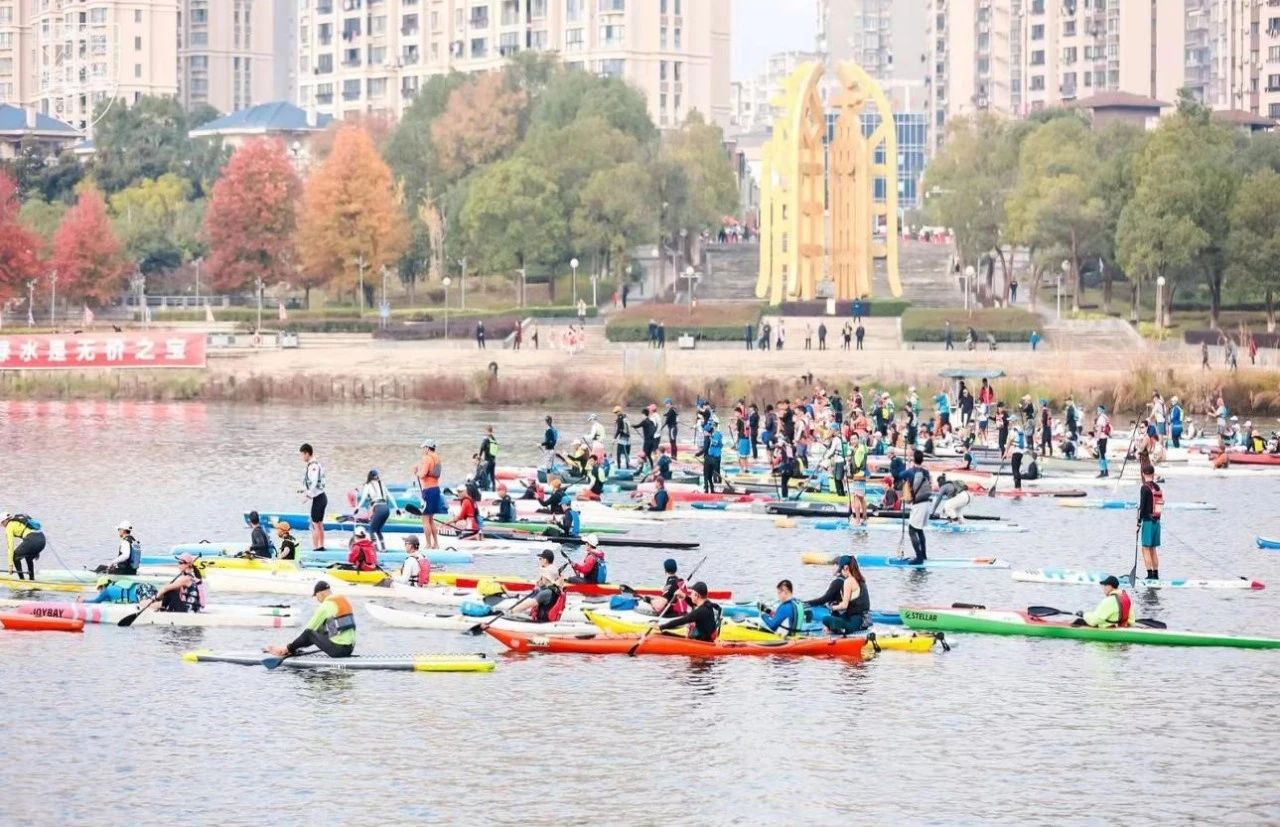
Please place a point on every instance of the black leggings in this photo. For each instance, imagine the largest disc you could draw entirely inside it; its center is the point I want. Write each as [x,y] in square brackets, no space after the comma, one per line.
[1016,465]
[710,473]
[917,543]
[846,625]
[321,641]
[29,549]
[378,517]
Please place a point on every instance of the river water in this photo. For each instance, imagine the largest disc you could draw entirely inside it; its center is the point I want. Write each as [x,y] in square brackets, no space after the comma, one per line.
[112,727]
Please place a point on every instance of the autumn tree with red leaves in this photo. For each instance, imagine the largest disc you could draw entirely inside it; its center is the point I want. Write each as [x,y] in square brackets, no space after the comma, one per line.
[90,261]
[19,246]
[252,217]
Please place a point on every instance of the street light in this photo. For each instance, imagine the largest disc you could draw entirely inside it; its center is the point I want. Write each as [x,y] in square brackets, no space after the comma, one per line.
[688,274]
[360,264]
[1066,268]
[656,275]
[446,281]
[31,302]
[198,262]
[53,297]
[1160,302]
[139,283]
[257,333]
[573,263]
[462,282]
[968,284]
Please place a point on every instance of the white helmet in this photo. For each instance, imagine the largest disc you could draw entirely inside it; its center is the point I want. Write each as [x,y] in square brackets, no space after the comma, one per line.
[6,517]
[592,540]
[360,531]
[125,526]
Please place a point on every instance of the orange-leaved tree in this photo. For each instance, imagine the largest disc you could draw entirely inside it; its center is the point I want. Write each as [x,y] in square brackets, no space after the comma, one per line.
[481,123]
[88,257]
[350,216]
[19,246]
[252,217]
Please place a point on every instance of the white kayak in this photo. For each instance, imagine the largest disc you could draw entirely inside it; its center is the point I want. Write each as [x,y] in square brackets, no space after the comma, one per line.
[260,617]
[1132,505]
[291,583]
[395,543]
[401,619]
[1079,577]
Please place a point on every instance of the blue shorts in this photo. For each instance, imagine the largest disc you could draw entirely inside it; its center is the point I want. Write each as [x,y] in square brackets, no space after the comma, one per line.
[432,501]
[744,447]
[858,488]
[1160,428]
[1150,534]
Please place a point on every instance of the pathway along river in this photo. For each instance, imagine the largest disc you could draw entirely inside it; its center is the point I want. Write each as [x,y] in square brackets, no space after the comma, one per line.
[112,727]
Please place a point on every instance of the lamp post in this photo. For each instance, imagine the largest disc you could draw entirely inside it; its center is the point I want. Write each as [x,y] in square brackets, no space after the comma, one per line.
[139,283]
[53,297]
[360,262]
[198,262]
[446,281]
[31,302]
[573,265]
[462,282]
[656,275]
[1160,303]
[968,284]
[688,274]
[523,284]
[1066,268]
[260,285]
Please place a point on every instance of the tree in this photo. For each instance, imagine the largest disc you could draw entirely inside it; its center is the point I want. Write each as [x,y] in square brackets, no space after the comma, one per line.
[350,222]
[1157,235]
[43,217]
[40,175]
[616,212]
[410,150]
[1119,147]
[1253,246]
[480,124]
[252,217]
[19,246]
[144,140]
[573,94]
[698,148]
[147,220]
[1055,205]
[513,216]
[89,259]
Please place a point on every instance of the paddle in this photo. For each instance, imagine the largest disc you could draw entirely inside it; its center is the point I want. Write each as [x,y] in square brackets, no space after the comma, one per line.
[274,661]
[480,627]
[632,651]
[127,621]
[1129,449]
[1049,611]
[1003,457]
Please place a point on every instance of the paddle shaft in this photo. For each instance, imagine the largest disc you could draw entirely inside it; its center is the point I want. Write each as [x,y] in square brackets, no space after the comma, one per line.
[127,621]
[632,651]
[480,627]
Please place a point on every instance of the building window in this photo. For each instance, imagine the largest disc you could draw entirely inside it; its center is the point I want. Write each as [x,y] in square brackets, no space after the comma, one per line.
[378,25]
[613,5]
[377,55]
[612,68]
[1273,54]
[612,35]
[409,24]
[137,43]
[1273,111]
[676,72]
[479,47]
[1037,57]
[1069,55]
[676,7]
[324,64]
[675,38]
[573,10]
[1069,28]
[99,16]
[1037,31]
[537,9]
[662,38]
[324,33]
[137,15]
[137,70]
[662,102]
[538,40]
[510,12]
[509,44]
[662,70]
[1273,83]
[573,40]
[198,63]
[435,21]
[351,89]
[479,17]
[350,57]
[377,87]
[350,28]
[1037,83]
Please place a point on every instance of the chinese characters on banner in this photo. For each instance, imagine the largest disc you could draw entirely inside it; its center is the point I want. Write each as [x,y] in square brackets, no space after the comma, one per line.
[158,349]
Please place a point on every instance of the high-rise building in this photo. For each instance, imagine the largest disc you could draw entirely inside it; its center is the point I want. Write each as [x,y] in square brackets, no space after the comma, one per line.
[752,109]
[371,56]
[229,53]
[1264,61]
[887,38]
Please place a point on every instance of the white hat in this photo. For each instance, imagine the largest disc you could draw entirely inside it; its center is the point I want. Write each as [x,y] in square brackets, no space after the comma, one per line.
[361,532]
[428,443]
[6,517]
[125,526]
[591,540]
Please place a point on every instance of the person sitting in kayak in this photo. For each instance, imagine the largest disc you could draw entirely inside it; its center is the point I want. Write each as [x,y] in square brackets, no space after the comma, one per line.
[661,500]
[595,478]
[553,503]
[577,457]
[185,592]
[260,544]
[332,629]
[468,522]
[362,556]
[1115,608]
[129,555]
[891,501]
[416,569]
[663,469]
[112,592]
[703,620]
[1150,507]
[788,617]
[288,544]
[506,506]
[674,593]
[548,590]
[592,569]
[568,524]
[846,598]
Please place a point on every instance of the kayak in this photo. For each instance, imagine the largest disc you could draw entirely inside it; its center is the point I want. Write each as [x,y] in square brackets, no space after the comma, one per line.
[1132,505]
[17,585]
[942,526]
[1246,458]
[879,561]
[1268,543]
[1059,493]
[277,568]
[752,610]
[33,623]
[391,663]
[1078,577]
[294,584]
[744,633]
[85,577]
[108,613]
[991,622]
[663,644]
[842,510]
[220,553]
[400,619]
[518,584]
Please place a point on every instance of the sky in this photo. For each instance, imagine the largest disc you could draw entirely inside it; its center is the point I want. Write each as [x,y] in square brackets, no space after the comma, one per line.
[763,27]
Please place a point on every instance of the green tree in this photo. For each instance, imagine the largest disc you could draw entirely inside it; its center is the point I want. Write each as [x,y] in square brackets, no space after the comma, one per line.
[615,213]
[1253,246]
[1119,146]
[410,152]
[148,139]
[148,217]
[43,217]
[698,149]
[513,217]
[572,94]
[40,175]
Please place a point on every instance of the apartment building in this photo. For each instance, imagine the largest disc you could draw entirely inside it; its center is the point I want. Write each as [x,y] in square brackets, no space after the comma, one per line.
[887,38]
[227,53]
[371,56]
[1258,78]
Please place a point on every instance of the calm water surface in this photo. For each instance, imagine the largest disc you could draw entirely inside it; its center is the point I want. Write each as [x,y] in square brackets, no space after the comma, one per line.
[111,727]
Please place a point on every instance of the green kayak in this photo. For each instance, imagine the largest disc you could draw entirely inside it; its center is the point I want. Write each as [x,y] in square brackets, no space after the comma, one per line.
[1006,622]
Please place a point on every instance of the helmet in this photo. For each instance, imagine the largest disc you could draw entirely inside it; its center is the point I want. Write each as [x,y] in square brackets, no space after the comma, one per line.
[361,531]
[125,526]
[591,540]
[669,566]
[103,581]
[429,443]
[5,517]
[488,587]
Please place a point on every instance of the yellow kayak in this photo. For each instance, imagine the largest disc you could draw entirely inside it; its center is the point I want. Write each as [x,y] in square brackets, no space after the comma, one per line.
[740,632]
[258,564]
[40,585]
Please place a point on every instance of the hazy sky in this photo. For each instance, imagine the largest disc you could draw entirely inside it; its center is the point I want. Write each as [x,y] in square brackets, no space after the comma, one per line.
[762,27]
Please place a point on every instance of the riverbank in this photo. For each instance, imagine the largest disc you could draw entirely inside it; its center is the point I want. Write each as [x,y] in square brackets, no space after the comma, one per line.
[454,373]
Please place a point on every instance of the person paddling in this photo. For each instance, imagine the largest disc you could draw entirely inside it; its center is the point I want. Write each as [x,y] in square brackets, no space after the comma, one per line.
[288,544]
[673,594]
[427,472]
[592,569]
[548,597]
[416,569]
[332,628]
[703,619]
[260,544]
[506,505]
[363,555]
[661,500]
[128,555]
[787,618]
[1115,608]
[469,524]
[185,592]
[1150,508]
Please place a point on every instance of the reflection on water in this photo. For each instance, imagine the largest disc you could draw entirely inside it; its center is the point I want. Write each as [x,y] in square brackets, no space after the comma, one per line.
[999,730]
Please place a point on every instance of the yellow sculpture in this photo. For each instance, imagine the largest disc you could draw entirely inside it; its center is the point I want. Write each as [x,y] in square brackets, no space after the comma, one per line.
[796,175]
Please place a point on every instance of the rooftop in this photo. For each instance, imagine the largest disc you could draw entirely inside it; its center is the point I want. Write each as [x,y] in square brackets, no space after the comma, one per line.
[280,116]
[14,119]
[1120,100]
[1239,117]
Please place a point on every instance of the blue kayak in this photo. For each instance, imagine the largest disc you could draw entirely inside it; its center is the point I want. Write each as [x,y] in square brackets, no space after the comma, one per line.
[1264,542]
[896,524]
[875,561]
[751,610]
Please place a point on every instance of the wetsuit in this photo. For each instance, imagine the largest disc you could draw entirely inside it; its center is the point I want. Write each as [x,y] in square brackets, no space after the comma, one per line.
[669,421]
[25,542]
[259,544]
[661,500]
[704,621]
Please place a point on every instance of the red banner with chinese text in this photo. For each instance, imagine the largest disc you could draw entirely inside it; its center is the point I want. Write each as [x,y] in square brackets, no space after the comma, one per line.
[87,350]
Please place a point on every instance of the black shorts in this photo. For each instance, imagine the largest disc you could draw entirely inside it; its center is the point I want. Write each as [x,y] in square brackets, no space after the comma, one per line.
[31,545]
[319,506]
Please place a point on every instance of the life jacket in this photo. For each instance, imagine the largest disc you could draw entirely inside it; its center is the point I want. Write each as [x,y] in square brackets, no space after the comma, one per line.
[193,595]
[421,577]
[366,555]
[601,571]
[467,514]
[1105,428]
[1157,500]
[506,510]
[344,620]
[493,448]
[1125,602]
[921,486]
[552,613]
[288,547]
[679,599]
[797,623]
[623,430]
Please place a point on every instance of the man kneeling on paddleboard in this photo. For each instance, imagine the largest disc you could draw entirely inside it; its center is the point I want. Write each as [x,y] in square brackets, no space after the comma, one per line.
[1115,608]
[332,629]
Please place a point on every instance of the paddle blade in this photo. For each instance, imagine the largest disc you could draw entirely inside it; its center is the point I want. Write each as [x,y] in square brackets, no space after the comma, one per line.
[413,509]
[967,606]
[1045,611]
[272,662]
[1151,624]
[127,621]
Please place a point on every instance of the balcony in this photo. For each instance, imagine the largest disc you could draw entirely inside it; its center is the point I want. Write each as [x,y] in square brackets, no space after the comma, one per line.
[324,97]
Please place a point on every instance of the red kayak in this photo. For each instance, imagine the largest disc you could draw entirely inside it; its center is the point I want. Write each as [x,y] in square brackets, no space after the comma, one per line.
[588,589]
[660,644]
[1243,458]
[32,623]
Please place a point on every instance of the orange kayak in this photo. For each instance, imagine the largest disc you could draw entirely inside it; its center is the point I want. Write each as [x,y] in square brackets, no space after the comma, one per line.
[658,644]
[32,623]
